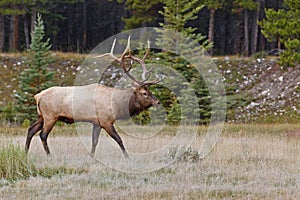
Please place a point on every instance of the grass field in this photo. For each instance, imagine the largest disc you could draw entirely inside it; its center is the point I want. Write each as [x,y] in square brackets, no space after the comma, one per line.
[248,162]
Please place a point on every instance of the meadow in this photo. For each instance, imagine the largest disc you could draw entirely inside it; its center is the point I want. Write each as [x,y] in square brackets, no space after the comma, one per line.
[249,161]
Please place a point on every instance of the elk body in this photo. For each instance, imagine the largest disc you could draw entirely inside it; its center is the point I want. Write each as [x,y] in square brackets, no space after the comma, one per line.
[95,103]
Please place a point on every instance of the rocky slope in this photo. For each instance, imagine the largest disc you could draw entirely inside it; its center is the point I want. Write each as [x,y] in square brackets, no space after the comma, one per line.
[264,91]
[275,92]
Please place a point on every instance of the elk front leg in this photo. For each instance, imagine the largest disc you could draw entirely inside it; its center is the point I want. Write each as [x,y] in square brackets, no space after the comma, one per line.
[110,129]
[95,138]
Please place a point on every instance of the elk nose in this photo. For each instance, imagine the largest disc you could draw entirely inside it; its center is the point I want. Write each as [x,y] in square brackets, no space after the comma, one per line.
[157,102]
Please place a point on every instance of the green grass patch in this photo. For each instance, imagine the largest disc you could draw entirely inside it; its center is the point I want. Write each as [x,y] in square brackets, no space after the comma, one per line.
[276,129]
[15,164]
[49,172]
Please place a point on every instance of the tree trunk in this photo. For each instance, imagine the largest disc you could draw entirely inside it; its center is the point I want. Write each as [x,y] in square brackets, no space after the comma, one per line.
[84,31]
[33,19]
[254,35]
[70,22]
[246,33]
[14,33]
[238,38]
[26,32]
[211,27]
[262,39]
[2,33]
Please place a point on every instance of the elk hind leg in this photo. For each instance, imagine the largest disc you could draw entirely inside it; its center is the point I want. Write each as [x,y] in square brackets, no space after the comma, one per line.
[110,129]
[45,132]
[95,138]
[33,129]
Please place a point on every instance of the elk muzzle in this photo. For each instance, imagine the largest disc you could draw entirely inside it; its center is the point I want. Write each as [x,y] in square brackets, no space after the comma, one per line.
[155,102]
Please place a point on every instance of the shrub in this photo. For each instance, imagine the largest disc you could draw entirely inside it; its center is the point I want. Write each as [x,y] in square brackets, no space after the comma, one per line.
[260,54]
[9,114]
[183,154]
[26,123]
[280,25]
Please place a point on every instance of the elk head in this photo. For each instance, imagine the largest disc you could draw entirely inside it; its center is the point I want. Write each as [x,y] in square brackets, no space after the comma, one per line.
[141,98]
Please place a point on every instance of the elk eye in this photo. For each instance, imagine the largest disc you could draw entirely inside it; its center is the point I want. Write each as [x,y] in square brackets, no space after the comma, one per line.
[145,94]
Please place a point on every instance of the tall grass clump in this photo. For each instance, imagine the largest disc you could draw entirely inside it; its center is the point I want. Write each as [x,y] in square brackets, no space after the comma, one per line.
[14,163]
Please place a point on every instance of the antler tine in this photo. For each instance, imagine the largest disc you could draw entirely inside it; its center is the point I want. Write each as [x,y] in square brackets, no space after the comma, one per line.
[113,47]
[111,53]
[145,73]
[148,50]
[127,48]
[151,82]
[143,65]
[121,59]
[124,56]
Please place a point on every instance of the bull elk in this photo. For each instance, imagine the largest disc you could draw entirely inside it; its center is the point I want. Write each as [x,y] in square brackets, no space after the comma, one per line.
[97,104]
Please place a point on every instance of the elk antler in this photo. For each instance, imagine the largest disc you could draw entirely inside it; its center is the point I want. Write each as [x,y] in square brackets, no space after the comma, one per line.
[123,57]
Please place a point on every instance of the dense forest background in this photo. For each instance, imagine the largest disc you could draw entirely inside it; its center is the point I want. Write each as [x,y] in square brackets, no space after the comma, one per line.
[79,25]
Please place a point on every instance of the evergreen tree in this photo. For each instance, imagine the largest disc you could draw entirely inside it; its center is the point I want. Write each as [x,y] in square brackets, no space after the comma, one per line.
[284,25]
[177,14]
[181,42]
[10,7]
[37,77]
[142,13]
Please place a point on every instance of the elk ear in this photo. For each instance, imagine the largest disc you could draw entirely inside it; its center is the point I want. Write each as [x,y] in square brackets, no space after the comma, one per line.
[135,85]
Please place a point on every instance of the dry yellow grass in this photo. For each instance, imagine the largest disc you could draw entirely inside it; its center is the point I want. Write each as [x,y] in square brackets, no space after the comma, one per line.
[249,162]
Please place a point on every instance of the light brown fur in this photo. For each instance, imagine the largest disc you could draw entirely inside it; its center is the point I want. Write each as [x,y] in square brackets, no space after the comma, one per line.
[96,104]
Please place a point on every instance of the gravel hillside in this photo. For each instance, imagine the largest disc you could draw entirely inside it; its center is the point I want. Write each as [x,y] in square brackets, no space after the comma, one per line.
[273,93]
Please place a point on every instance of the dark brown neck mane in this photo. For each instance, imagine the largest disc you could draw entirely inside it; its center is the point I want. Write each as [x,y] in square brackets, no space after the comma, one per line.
[135,106]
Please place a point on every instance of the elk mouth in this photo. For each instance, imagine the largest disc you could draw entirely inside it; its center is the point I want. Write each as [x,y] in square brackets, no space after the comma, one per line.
[156,103]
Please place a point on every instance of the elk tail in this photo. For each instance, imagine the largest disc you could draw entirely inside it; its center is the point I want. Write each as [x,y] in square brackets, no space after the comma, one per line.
[37,99]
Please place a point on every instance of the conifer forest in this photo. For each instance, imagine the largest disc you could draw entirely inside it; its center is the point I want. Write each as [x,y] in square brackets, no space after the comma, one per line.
[233,26]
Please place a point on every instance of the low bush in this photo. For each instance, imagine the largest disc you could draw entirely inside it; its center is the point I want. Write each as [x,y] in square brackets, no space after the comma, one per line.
[183,154]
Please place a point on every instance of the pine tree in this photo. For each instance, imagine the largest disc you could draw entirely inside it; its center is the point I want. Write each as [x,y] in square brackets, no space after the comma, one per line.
[284,25]
[177,14]
[142,13]
[37,77]
[181,42]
